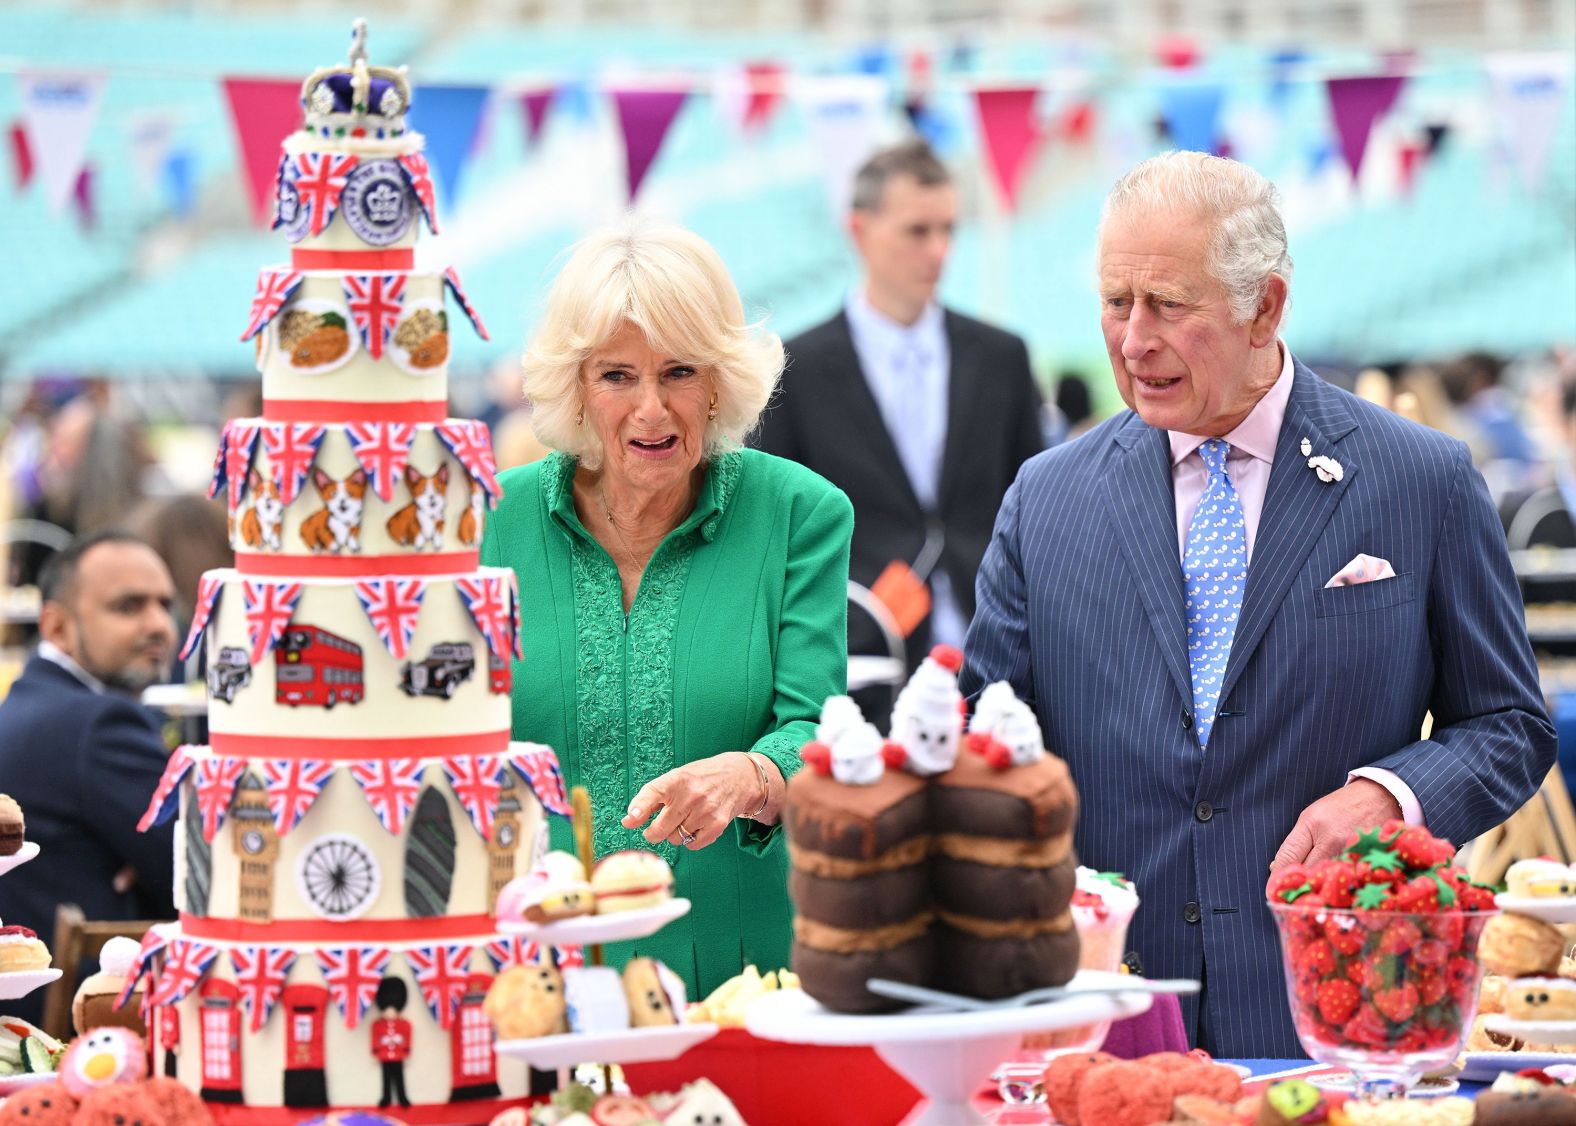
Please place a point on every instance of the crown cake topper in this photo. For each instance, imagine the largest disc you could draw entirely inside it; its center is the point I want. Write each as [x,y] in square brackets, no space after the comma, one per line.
[356,97]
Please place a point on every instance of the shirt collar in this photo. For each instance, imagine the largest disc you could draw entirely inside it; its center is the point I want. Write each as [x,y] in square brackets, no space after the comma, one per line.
[873,327]
[55,655]
[722,477]
[1257,434]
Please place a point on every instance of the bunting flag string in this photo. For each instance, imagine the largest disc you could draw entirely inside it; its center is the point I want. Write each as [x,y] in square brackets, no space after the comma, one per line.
[240,444]
[275,286]
[489,608]
[292,786]
[376,301]
[268,609]
[475,780]
[382,448]
[185,966]
[153,940]
[209,588]
[539,767]
[471,445]
[441,972]
[216,780]
[291,449]
[451,278]
[418,174]
[352,974]
[260,973]
[391,787]
[166,795]
[393,607]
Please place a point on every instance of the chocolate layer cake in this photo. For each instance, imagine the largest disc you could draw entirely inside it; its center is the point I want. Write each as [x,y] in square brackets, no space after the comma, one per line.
[860,886]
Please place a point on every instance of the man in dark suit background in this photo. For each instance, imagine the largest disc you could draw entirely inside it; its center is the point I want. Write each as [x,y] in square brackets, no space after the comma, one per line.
[79,753]
[920,414]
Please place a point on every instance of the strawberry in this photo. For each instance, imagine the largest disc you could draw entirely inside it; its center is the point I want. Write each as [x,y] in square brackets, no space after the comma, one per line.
[1397,1003]
[818,757]
[1290,883]
[1338,1000]
[1367,1028]
[1336,880]
[1430,988]
[1399,937]
[1343,936]
[1430,952]
[1448,927]
[1475,897]
[1317,957]
[1462,973]
[1374,976]
[1412,1039]
[1418,848]
[1356,972]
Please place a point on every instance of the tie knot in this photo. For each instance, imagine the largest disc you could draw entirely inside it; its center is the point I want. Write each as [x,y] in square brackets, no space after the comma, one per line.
[1214,454]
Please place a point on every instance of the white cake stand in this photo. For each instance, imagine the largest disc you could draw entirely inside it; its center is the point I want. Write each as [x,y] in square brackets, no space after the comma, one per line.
[943,1052]
[586,930]
[1534,1031]
[28,850]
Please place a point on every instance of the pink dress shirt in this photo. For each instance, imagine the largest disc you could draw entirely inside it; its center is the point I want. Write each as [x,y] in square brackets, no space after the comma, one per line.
[1248,465]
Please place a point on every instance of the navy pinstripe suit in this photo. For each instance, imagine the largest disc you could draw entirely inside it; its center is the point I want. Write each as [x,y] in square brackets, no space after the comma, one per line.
[1080,608]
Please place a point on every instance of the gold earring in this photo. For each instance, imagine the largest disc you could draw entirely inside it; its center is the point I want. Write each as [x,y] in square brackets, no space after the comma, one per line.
[580,419]
[711,413]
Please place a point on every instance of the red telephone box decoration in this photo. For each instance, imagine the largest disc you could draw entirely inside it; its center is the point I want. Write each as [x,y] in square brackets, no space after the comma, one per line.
[219,1010]
[305,1081]
[472,1063]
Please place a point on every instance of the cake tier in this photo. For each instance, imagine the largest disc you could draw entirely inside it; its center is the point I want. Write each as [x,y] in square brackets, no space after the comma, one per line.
[855,823]
[352,202]
[296,666]
[335,522]
[1033,802]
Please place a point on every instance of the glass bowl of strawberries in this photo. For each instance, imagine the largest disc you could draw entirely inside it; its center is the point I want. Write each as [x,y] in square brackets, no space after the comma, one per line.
[1380,954]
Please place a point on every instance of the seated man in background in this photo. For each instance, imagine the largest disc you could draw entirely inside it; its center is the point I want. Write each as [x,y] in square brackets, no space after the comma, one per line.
[78,752]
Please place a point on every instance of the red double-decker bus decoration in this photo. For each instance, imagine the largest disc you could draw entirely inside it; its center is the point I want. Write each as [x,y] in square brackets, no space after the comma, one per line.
[313,666]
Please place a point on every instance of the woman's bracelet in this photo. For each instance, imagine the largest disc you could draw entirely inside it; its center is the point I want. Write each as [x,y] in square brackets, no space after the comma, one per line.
[766,787]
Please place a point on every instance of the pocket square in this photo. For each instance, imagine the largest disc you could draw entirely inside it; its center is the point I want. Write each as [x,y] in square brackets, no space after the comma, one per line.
[1362,569]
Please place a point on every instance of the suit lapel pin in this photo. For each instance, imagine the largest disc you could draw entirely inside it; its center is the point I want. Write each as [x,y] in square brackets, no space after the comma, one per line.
[1327,468]
[1307,447]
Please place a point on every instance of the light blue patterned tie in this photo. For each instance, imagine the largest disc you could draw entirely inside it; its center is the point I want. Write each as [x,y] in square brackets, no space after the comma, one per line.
[1215,569]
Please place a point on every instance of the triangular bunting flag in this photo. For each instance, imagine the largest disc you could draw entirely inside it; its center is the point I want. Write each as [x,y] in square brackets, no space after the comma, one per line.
[291,449]
[82,195]
[1191,111]
[451,278]
[418,174]
[240,444]
[441,972]
[220,459]
[450,117]
[375,304]
[165,802]
[474,779]
[319,181]
[216,779]
[512,950]
[21,156]
[275,286]
[766,82]
[59,111]
[517,643]
[1529,98]
[184,967]
[393,607]
[1011,133]
[151,136]
[535,104]
[1355,104]
[154,939]
[487,599]
[382,448]
[260,974]
[264,112]
[470,443]
[391,786]
[292,786]
[209,587]
[268,609]
[644,117]
[845,116]
[352,974]
[538,765]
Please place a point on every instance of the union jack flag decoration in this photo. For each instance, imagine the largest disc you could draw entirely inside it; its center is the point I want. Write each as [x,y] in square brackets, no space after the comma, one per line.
[382,448]
[419,176]
[240,444]
[352,974]
[209,587]
[216,779]
[187,962]
[469,442]
[488,604]
[474,779]
[260,974]
[513,950]
[392,786]
[538,765]
[441,972]
[268,609]
[569,957]
[153,940]
[452,277]
[166,795]
[291,448]
[514,615]
[393,606]
[275,286]
[320,181]
[375,304]
[293,785]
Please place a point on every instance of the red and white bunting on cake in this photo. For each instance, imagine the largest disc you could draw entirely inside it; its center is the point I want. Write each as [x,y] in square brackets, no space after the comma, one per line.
[275,286]
[293,785]
[441,972]
[382,448]
[487,599]
[452,277]
[166,795]
[352,974]
[291,449]
[240,444]
[209,587]
[320,180]
[475,779]
[260,974]
[153,940]
[375,304]
[470,443]
[539,767]
[268,609]
[393,606]
[391,786]
[513,950]
[216,779]
[185,966]
[419,176]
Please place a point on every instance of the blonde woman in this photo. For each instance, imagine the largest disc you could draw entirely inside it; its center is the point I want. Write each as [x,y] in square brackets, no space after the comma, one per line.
[685,599]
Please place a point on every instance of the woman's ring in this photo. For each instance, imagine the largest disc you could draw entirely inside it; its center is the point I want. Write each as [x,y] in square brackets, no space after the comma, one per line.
[686,836]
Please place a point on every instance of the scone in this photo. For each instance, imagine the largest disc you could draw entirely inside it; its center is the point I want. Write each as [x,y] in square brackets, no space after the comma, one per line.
[654,992]
[1520,946]
[20,951]
[1491,994]
[1541,998]
[12,829]
[1541,878]
[629,880]
[526,1001]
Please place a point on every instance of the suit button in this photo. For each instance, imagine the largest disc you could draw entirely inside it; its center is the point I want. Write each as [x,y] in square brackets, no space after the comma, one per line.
[1191,913]
[1187,720]
[1203,811]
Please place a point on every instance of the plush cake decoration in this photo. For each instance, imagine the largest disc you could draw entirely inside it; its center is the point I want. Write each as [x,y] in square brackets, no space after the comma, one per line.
[940,857]
[344,838]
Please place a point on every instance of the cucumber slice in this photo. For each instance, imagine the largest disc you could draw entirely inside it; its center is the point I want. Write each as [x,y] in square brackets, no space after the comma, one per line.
[35,1056]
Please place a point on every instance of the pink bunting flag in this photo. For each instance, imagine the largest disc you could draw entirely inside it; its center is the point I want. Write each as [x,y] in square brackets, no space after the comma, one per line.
[292,786]
[291,449]
[209,587]
[82,197]
[644,117]
[535,103]
[766,82]
[1355,104]
[1012,135]
[260,973]
[264,112]
[442,973]
[268,609]
[475,781]
[391,786]
[216,779]
[352,974]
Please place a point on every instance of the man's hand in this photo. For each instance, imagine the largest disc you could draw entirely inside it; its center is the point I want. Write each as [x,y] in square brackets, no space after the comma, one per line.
[1326,825]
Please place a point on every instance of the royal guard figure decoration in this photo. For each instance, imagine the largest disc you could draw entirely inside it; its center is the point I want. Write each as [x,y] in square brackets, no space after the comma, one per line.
[391,1040]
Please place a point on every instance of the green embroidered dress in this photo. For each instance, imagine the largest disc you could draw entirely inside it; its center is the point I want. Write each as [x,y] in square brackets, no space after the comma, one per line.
[735,637]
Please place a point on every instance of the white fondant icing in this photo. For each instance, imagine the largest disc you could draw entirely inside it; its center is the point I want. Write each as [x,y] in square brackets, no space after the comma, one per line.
[1000,714]
[927,719]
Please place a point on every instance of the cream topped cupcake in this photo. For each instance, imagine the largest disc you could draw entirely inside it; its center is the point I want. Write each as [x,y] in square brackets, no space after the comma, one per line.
[21,951]
[927,717]
[1103,905]
[1004,728]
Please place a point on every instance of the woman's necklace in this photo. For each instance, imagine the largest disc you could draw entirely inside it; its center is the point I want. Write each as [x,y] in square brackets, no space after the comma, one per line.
[631,557]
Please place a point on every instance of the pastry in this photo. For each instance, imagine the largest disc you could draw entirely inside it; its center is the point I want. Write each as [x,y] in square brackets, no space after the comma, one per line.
[629,880]
[1124,1094]
[556,889]
[1291,1102]
[1485,1039]
[1541,998]
[594,1000]
[1452,1110]
[94,1004]
[1537,1106]
[1491,993]
[1063,1077]
[654,993]
[1540,878]
[1520,946]
[526,1001]
[21,951]
[12,828]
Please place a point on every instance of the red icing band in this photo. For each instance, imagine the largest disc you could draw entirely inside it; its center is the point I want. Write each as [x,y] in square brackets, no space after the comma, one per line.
[356,566]
[441,1114]
[361,261]
[321,931]
[356,750]
[338,410]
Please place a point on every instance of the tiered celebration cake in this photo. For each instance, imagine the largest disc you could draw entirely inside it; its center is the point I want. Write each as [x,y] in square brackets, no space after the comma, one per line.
[344,837]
